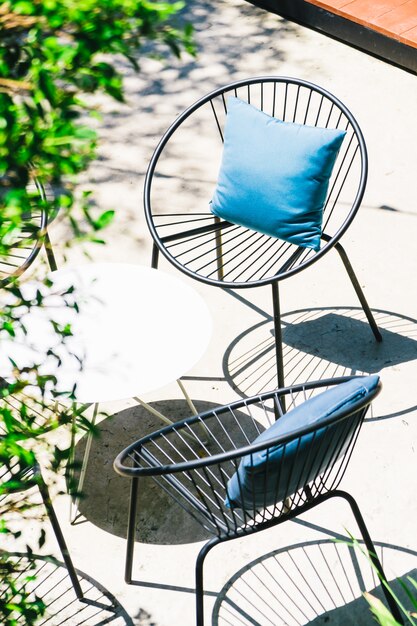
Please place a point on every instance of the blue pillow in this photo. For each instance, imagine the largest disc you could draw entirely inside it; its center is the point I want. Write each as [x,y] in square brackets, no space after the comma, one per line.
[274,175]
[269,476]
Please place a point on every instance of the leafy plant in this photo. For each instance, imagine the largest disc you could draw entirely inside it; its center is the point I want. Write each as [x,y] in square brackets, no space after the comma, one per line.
[52,54]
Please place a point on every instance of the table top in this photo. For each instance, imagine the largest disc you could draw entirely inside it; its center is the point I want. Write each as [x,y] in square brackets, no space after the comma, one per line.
[137,329]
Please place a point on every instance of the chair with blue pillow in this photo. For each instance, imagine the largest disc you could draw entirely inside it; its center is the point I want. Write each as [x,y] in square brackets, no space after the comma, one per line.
[251,472]
[255,182]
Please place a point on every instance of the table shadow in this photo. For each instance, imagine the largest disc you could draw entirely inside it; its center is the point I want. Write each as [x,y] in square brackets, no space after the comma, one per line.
[160,519]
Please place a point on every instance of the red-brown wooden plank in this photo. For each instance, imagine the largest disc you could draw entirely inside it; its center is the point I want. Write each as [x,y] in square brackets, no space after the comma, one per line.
[399,19]
[409,37]
[394,18]
[369,10]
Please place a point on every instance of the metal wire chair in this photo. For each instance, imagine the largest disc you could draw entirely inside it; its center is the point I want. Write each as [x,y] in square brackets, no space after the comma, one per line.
[195,469]
[27,416]
[26,245]
[181,179]
[16,478]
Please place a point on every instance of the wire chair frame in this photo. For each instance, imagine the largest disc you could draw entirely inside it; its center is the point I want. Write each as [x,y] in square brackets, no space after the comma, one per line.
[291,100]
[195,469]
[16,475]
[29,242]
[39,414]
[17,478]
[181,178]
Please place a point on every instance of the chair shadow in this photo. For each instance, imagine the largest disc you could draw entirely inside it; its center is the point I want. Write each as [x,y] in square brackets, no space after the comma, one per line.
[105,501]
[53,585]
[315,583]
[323,342]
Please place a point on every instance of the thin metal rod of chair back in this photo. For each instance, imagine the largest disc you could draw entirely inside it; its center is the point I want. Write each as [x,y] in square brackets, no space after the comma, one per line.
[28,415]
[25,246]
[195,460]
[17,477]
[182,175]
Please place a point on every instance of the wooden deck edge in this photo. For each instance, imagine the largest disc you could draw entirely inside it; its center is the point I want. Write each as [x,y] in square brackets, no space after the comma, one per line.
[343,29]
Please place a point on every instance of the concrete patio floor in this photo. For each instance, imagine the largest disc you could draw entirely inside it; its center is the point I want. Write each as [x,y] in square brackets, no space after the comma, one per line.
[237,40]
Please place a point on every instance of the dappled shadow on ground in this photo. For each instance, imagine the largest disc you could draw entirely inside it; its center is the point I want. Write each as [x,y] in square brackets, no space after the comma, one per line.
[322,343]
[234,40]
[165,87]
[315,583]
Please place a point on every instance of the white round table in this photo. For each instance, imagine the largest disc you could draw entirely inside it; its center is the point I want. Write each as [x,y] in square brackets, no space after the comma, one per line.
[137,330]
[133,329]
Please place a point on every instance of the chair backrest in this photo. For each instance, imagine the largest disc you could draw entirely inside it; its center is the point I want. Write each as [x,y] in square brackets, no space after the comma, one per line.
[28,414]
[182,176]
[198,459]
[26,245]
[16,478]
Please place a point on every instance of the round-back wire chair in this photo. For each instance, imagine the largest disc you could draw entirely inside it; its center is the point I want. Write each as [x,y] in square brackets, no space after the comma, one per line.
[195,459]
[17,478]
[25,246]
[182,176]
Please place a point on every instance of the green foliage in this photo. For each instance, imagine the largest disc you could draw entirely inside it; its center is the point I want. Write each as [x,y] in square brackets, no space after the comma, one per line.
[381,613]
[53,53]
[16,602]
[383,616]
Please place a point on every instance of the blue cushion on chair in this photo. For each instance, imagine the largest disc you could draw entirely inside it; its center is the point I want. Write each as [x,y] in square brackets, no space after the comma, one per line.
[269,476]
[274,175]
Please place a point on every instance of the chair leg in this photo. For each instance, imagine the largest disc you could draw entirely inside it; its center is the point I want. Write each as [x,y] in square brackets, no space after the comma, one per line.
[131,529]
[219,250]
[155,256]
[359,291]
[278,339]
[60,537]
[199,587]
[372,553]
[50,253]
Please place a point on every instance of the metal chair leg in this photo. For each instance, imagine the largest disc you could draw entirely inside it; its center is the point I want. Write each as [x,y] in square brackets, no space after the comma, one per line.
[278,340]
[372,553]
[50,253]
[59,536]
[155,256]
[359,291]
[278,335]
[131,529]
[219,250]
[199,587]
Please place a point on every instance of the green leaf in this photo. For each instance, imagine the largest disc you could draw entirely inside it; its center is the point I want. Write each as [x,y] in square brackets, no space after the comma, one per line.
[383,615]
[23,7]
[105,219]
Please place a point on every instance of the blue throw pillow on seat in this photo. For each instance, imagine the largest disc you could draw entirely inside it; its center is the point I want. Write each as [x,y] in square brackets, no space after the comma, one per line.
[268,476]
[274,175]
